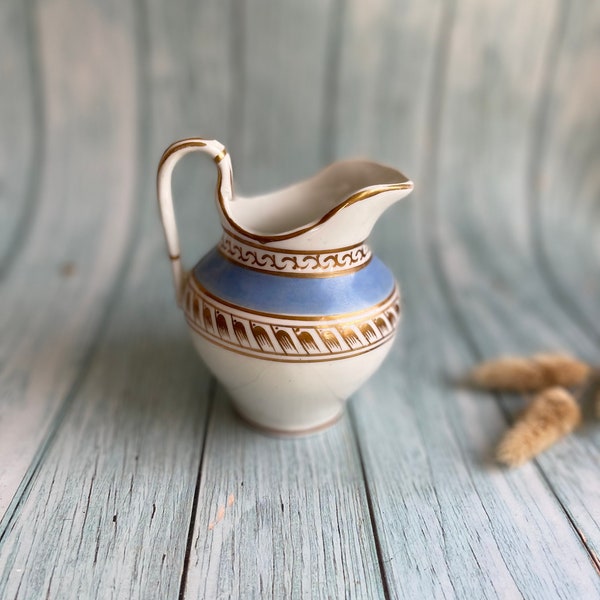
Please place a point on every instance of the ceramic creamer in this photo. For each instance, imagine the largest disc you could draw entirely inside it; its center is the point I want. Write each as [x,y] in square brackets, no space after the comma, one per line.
[290,311]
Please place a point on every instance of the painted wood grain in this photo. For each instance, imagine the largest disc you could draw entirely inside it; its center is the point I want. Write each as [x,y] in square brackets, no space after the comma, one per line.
[107,510]
[109,486]
[436,453]
[191,94]
[564,174]
[57,291]
[279,91]
[531,316]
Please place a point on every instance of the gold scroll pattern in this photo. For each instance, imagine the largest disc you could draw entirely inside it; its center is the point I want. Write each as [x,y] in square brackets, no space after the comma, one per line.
[290,339]
[300,264]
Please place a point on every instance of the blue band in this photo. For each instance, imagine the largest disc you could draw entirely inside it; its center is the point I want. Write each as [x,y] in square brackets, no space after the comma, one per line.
[294,295]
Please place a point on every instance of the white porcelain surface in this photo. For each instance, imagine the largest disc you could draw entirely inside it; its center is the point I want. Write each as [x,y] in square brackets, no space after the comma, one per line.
[291,311]
[289,398]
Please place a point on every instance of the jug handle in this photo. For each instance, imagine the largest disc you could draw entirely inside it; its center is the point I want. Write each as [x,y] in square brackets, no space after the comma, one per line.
[167,163]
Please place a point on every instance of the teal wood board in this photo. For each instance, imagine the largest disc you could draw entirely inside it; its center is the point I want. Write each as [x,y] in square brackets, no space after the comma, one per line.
[124,472]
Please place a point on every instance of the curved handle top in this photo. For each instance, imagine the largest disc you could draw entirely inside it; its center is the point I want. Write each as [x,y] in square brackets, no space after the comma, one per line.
[167,163]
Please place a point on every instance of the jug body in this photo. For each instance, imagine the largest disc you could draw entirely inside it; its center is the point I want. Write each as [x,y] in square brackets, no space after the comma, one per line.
[290,333]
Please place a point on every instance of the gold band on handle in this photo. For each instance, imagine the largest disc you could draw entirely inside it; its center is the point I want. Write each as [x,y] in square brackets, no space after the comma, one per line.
[219,157]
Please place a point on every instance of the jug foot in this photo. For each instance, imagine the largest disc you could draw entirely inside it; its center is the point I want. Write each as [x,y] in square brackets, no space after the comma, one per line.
[288,433]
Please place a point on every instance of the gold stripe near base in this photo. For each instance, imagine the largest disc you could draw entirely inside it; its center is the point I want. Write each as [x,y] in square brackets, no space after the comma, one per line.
[305,357]
[283,338]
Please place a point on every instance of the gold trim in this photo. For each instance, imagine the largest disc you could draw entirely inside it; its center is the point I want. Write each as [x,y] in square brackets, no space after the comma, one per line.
[282,339]
[357,197]
[290,263]
[306,358]
[219,157]
[300,275]
[176,146]
[176,257]
[285,317]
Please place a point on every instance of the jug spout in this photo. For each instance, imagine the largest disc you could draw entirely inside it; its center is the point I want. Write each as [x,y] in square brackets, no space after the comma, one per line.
[336,208]
[352,220]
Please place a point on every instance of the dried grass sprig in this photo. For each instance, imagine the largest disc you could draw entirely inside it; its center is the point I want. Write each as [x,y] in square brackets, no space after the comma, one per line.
[552,414]
[516,374]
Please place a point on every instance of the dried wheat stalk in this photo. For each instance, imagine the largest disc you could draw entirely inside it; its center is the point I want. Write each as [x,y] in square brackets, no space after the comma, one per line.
[552,414]
[515,374]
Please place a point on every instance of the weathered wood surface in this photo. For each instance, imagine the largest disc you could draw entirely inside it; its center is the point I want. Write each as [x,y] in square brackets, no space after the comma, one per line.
[73,218]
[123,472]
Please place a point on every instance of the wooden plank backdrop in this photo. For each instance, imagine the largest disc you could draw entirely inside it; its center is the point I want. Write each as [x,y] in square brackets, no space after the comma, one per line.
[123,471]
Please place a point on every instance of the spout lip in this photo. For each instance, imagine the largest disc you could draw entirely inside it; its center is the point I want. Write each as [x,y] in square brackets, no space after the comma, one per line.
[401,183]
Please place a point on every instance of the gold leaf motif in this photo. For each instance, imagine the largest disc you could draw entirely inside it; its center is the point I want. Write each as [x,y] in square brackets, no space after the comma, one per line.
[261,336]
[330,340]
[368,332]
[240,332]
[285,341]
[206,317]
[381,325]
[313,340]
[221,324]
[350,336]
[307,340]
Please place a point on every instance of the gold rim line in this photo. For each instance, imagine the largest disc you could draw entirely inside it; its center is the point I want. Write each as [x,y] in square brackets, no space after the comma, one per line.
[317,275]
[357,197]
[307,358]
[284,317]
[289,251]
[176,146]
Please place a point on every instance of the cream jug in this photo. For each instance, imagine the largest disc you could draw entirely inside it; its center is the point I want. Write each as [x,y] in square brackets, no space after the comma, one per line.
[290,311]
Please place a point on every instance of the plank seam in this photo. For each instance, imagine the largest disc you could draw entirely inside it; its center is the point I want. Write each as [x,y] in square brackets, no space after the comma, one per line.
[434,120]
[212,392]
[439,511]
[595,560]
[378,545]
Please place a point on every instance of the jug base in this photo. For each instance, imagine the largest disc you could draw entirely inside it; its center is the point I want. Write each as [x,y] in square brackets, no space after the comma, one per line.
[288,433]
[288,399]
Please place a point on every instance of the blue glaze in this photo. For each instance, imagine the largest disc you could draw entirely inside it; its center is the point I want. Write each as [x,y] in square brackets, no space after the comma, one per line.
[291,295]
